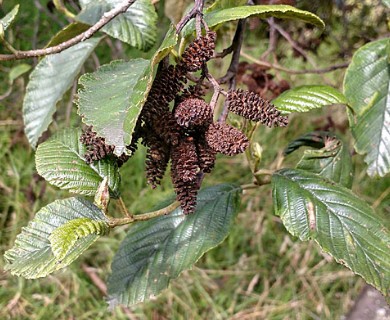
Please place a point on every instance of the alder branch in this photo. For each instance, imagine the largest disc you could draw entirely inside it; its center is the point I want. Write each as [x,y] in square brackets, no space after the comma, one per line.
[196,11]
[291,71]
[106,18]
[236,49]
[230,75]
[217,88]
[115,222]
[290,40]
[273,39]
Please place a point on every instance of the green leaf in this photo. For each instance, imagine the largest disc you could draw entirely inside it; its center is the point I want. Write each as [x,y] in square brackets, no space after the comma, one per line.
[158,250]
[17,71]
[64,238]
[112,94]
[332,160]
[60,160]
[51,78]
[166,46]
[70,31]
[32,256]
[137,26]
[9,17]
[367,88]
[339,221]
[306,98]
[386,3]
[225,4]
[217,17]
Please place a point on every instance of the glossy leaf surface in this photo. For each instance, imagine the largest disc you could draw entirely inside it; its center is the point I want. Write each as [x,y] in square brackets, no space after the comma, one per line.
[344,226]
[60,160]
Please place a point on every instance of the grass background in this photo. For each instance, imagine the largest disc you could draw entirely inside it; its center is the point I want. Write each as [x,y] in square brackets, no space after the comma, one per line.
[258,272]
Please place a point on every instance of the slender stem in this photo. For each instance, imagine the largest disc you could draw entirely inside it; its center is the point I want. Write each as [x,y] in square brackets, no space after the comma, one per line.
[232,70]
[195,11]
[106,18]
[123,208]
[8,45]
[60,7]
[115,222]
[198,25]
[249,186]
[237,44]
[264,172]
[215,84]
[273,39]
[225,110]
[281,68]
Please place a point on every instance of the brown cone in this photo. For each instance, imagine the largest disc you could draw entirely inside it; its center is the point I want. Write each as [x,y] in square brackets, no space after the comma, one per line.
[157,159]
[251,106]
[226,139]
[198,52]
[97,149]
[193,112]
[206,155]
[185,160]
[184,173]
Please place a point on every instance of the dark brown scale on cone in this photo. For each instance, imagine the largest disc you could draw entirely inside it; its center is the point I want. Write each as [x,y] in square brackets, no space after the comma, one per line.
[167,84]
[97,149]
[157,159]
[193,112]
[198,53]
[184,173]
[185,160]
[122,159]
[206,155]
[167,128]
[225,139]
[137,134]
[251,106]
[194,91]
[186,193]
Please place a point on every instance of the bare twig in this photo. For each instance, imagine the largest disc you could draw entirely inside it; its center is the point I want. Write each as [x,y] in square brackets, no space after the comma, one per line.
[198,25]
[237,43]
[6,94]
[216,86]
[291,71]
[115,222]
[99,283]
[123,208]
[224,52]
[272,39]
[232,70]
[106,18]
[293,44]
[195,11]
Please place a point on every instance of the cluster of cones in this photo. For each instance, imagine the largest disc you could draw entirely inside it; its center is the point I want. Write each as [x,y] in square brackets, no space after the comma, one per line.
[187,135]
